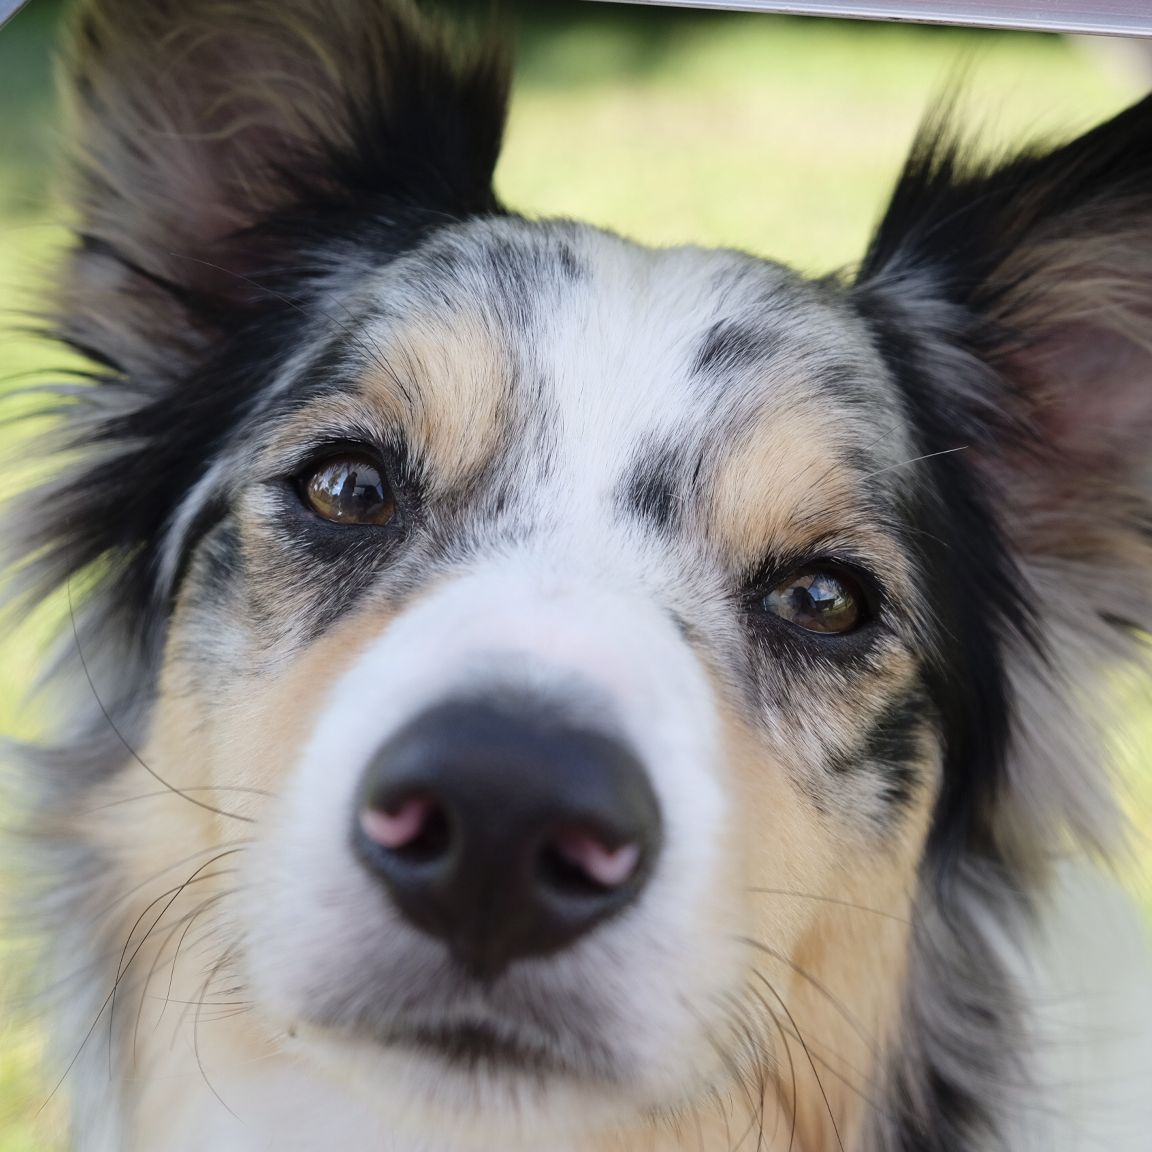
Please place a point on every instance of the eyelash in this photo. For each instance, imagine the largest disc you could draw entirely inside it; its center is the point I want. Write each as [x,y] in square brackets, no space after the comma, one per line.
[771,573]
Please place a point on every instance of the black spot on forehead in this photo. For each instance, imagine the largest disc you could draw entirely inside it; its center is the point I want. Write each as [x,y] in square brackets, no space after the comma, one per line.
[858,387]
[512,266]
[570,266]
[732,346]
[651,485]
[513,275]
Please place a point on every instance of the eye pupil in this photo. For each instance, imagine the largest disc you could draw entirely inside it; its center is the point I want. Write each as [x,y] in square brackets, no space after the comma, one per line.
[819,600]
[349,490]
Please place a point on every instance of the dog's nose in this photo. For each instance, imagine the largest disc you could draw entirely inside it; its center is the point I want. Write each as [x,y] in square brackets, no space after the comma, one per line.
[504,832]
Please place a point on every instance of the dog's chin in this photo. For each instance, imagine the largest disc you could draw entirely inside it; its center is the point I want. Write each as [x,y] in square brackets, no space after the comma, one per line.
[475,1084]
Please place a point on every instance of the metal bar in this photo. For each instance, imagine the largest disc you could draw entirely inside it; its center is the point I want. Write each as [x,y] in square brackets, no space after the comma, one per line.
[1096,17]
[8,9]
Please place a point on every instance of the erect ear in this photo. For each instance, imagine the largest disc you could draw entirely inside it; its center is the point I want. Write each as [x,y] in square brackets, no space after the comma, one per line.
[217,140]
[1018,296]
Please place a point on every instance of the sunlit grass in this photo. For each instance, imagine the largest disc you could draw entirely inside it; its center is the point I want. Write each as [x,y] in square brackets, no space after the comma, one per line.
[770,135]
[777,136]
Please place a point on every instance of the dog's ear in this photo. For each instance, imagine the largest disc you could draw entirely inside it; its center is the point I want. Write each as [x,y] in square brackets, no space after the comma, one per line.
[200,127]
[234,160]
[1015,298]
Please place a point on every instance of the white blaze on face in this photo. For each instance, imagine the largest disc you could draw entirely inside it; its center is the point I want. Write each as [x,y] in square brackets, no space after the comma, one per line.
[610,657]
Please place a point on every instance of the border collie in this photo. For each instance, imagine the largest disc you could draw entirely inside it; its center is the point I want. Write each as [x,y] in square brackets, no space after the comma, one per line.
[522,690]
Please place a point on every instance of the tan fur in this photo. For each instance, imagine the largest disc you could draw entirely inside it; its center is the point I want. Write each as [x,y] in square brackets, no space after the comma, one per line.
[176,996]
[785,480]
[459,426]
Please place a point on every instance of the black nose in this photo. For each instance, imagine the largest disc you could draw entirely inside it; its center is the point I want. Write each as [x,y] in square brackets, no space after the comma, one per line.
[505,832]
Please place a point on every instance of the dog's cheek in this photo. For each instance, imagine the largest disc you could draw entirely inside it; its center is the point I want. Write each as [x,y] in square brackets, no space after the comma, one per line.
[824,907]
[781,846]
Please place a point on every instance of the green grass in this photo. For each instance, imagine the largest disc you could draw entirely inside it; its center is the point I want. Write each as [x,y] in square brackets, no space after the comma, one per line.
[772,135]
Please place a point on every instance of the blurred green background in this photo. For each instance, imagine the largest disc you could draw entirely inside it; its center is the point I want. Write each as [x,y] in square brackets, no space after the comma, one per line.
[778,136]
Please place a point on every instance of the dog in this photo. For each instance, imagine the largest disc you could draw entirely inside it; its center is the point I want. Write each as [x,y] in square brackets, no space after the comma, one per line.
[523,690]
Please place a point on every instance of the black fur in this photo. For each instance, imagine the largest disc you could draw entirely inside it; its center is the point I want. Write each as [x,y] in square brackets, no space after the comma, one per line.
[421,142]
[957,217]
[730,347]
[894,745]
[977,609]
[653,490]
[935,290]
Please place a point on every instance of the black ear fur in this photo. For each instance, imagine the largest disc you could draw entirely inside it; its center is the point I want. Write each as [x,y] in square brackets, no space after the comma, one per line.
[1014,300]
[219,140]
[1040,266]
[228,155]
[962,217]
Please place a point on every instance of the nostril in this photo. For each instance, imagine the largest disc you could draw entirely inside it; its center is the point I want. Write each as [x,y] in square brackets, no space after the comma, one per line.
[577,861]
[415,828]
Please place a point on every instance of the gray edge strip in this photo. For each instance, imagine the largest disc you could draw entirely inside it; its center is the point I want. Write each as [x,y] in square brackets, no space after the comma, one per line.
[1096,17]
[9,8]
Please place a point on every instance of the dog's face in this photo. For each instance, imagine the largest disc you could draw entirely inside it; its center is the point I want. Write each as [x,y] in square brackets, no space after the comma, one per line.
[596,659]
[562,595]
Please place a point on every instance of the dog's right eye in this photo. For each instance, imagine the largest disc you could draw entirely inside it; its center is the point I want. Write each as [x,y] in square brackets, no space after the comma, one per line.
[349,489]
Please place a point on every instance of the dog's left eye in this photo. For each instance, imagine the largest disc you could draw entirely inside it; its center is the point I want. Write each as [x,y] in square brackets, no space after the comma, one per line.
[349,489]
[822,600]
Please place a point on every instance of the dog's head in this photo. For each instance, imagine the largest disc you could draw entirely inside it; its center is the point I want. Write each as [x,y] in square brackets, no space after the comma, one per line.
[606,662]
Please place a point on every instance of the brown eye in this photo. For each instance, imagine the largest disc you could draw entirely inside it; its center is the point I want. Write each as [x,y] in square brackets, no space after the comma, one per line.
[349,490]
[818,600]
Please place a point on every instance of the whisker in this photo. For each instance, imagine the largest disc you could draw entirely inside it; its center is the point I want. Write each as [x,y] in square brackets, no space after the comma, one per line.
[197,877]
[718,1100]
[112,992]
[848,1016]
[867,448]
[831,900]
[793,1108]
[186,922]
[759,1055]
[800,1036]
[725,1058]
[188,925]
[120,735]
[196,1029]
[914,460]
[814,1044]
[230,846]
[156,795]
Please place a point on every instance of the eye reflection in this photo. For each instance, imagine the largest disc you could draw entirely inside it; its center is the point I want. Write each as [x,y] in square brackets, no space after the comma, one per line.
[349,489]
[820,600]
